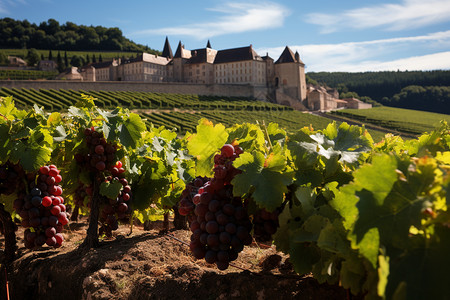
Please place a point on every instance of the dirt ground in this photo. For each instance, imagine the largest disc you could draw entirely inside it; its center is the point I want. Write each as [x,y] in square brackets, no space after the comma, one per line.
[148,264]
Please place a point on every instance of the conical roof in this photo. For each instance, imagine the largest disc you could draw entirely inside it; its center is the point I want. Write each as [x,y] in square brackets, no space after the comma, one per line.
[288,57]
[167,51]
[208,45]
[179,50]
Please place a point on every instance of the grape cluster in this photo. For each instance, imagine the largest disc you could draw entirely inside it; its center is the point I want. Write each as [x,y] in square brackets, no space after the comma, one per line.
[101,154]
[265,224]
[117,209]
[42,210]
[186,206]
[222,226]
[10,175]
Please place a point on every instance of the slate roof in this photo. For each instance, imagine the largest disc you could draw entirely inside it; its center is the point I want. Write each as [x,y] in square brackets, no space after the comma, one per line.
[288,57]
[198,56]
[167,51]
[236,54]
[181,52]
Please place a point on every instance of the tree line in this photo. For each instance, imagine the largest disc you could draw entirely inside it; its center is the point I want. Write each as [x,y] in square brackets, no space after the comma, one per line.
[421,90]
[69,36]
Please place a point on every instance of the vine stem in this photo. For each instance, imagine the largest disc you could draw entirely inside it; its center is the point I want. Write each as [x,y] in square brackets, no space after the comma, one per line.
[3,116]
[9,233]
[91,240]
[267,135]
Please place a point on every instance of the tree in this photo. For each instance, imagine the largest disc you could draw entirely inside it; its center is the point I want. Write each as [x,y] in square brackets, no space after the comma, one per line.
[32,57]
[87,59]
[77,61]
[60,63]
[94,60]
[66,60]
[3,59]
[50,55]
[100,59]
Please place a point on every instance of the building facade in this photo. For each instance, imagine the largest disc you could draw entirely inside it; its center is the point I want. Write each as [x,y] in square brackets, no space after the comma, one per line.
[283,80]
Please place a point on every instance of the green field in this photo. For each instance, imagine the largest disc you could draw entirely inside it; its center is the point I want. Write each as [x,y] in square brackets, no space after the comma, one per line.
[106,55]
[396,119]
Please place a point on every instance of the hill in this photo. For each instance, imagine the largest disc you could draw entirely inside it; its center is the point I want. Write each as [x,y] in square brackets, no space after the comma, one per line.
[420,90]
[69,36]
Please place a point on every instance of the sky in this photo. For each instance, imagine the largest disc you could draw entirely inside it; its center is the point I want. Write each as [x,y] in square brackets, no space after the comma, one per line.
[331,36]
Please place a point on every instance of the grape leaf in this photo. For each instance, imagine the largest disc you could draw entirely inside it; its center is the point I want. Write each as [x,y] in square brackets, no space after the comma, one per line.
[249,136]
[7,108]
[54,119]
[5,142]
[263,175]
[59,134]
[30,158]
[130,131]
[111,189]
[204,145]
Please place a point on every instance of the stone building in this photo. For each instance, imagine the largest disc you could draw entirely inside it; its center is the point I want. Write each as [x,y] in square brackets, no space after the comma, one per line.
[282,81]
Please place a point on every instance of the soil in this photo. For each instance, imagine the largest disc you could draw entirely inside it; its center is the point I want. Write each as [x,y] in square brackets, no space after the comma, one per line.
[151,264]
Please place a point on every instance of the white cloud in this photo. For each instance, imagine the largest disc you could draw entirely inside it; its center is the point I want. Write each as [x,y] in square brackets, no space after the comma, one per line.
[406,15]
[6,4]
[376,55]
[237,18]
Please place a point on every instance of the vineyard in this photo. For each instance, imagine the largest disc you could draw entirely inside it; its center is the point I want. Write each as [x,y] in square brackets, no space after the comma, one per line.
[26,74]
[174,111]
[369,218]
[403,120]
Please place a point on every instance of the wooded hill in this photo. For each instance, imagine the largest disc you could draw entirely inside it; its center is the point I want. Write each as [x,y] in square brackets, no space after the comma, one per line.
[420,90]
[51,35]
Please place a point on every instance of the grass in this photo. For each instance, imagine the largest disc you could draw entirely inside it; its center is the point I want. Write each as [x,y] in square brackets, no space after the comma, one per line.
[397,119]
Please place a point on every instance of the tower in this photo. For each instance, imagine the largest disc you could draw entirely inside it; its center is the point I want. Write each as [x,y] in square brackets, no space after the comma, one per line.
[290,74]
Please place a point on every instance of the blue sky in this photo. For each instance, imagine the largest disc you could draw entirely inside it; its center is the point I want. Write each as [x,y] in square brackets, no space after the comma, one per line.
[347,35]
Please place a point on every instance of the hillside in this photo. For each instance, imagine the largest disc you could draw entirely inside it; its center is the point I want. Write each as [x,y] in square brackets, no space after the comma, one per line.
[51,35]
[420,90]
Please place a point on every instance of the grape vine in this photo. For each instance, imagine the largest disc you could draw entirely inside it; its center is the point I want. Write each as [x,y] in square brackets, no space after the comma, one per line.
[345,209]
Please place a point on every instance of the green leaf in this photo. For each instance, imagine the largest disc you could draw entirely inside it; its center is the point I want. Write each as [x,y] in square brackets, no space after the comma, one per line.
[249,137]
[383,168]
[130,131]
[306,197]
[5,142]
[264,176]
[31,159]
[111,189]
[204,145]
[7,107]
[60,134]
[383,273]
[54,119]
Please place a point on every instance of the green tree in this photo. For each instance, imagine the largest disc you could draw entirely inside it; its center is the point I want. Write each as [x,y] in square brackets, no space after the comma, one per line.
[50,55]
[66,60]
[88,60]
[77,61]
[100,59]
[32,57]
[3,59]
[94,60]
[60,62]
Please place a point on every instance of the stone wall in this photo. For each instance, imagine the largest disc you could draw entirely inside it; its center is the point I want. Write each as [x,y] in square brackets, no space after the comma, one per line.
[231,90]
